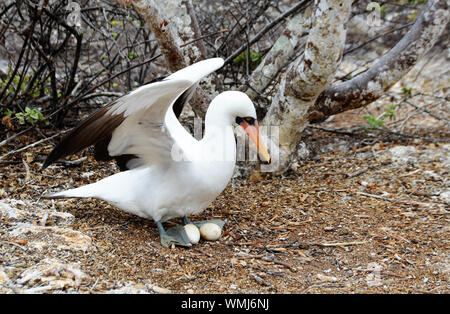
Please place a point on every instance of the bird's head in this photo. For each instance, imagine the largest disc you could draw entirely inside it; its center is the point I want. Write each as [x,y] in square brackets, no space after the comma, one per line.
[236,107]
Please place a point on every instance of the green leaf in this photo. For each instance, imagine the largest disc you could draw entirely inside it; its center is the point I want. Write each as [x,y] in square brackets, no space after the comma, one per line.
[132,55]
[383,10]
[407,91]
[34,115]
[390,112]
[20,117]
[254,56]
[372,121]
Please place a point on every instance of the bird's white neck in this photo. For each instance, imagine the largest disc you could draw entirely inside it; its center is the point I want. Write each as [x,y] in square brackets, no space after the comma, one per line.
[217,117]
[219,140]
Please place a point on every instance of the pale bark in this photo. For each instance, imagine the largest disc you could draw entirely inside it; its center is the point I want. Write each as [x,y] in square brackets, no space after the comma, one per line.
[170,24]
[282,50]
[372,84]
[158,23]
[308,76]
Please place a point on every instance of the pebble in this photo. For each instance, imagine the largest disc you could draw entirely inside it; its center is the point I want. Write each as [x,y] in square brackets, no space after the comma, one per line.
[210,231]
[52,274]
[193,233]
[445,196]
[3,276]
[326,278]
[161,290]
[54,238]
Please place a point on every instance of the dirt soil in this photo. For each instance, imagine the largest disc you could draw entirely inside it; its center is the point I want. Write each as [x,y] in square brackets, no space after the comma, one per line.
[358,215]
[360,212]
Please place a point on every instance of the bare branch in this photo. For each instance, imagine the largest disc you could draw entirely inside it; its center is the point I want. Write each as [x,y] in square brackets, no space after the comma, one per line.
[370,85]
[195,28]
[158,23]
[268,27]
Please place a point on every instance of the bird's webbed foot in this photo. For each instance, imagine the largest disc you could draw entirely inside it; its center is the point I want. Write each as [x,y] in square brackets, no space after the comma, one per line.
[173,236]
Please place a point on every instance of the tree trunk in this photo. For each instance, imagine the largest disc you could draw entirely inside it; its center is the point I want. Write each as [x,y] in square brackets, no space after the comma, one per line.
[282,50]
[307,77]
[372,84]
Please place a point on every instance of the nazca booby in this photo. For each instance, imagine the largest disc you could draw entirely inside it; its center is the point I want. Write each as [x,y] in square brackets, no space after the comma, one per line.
[168,173]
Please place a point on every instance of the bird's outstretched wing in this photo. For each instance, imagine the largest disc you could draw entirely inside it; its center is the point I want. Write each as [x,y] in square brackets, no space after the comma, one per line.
[137,128]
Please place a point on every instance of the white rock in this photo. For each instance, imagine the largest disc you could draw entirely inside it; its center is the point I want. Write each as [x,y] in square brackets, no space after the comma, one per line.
[210,231]
[3,276]
[428,174]
[20,211]
[61,218]
[160,290]
[130,288]
[326,278]
[53,237]
[403,153]
[9,212]
[193,233]
[445,196]
[52,274]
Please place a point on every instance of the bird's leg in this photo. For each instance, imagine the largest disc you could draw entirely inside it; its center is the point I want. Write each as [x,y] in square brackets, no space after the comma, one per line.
[176,235]
[185,220]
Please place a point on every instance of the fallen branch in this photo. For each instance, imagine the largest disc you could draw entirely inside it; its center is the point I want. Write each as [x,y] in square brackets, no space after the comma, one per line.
[279,262]
[267,259]
[32,144]
[384,198]
[382,272]
[13,243]
[388,199]
[9,139]
[426,111]
[341,243]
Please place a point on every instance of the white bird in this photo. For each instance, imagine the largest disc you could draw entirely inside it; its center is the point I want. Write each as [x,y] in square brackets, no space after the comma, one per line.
[168,173]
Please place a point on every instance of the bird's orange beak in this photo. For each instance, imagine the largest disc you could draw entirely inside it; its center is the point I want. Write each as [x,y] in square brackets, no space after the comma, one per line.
[253,132]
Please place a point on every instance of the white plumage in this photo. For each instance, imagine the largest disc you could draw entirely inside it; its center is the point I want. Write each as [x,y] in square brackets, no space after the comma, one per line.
[173,174]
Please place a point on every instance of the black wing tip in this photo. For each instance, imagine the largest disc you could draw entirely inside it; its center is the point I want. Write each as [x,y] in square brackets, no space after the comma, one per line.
[47,163]
[54,155]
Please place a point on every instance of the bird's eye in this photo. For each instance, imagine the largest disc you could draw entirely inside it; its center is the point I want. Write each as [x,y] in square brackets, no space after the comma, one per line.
[248,120]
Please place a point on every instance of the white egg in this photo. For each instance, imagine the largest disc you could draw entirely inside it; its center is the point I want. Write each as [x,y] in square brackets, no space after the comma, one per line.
[210,231]
[193,233]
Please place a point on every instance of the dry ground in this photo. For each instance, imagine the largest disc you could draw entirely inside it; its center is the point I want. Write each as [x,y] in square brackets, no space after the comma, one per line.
[360,215]
[363,212]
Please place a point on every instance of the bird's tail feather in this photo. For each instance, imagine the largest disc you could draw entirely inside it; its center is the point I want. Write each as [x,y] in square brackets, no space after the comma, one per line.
[81,192]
